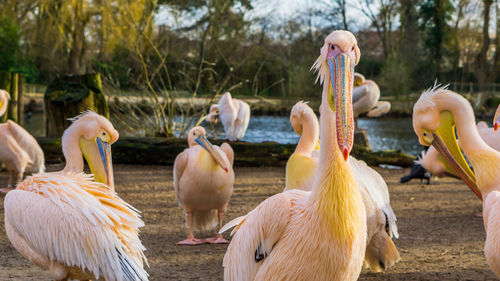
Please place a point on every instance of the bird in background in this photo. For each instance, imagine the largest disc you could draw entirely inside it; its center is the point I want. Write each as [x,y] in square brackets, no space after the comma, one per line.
[435,116]
[317,235]
[301,168]
[234,114]
[365,99]
[19,151]
[203,182]
[73,224]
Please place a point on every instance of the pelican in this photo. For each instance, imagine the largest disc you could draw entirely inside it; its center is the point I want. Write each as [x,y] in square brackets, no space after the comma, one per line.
[234,115]
[496,119]
[19,150]
[317,235]
[433,162]
[435,115]
[72,225]
[381,253]
[365,98]
[203,182]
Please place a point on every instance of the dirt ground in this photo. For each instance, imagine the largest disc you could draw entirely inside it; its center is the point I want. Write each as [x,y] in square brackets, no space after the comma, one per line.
[440,239]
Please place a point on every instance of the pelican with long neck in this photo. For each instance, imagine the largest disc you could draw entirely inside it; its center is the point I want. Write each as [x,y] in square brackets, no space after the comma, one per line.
[335,191]
[91,136]
[435,115]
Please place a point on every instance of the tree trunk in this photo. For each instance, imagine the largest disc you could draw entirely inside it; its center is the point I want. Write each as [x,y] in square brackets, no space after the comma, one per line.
[482,59]
[68,96]
[20,100]
[12,110]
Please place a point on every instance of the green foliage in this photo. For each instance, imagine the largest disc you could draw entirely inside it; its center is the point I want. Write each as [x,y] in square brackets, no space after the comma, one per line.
[9,43]
[395,78]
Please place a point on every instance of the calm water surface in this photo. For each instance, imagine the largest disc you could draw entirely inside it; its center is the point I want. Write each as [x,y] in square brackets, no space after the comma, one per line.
[383,133]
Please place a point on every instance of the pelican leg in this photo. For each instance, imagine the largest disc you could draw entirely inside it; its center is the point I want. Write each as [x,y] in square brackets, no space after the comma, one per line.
[9,185]
[190,240]
[218,239]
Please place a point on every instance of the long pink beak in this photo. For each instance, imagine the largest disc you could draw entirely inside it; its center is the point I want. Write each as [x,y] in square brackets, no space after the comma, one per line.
[340,99]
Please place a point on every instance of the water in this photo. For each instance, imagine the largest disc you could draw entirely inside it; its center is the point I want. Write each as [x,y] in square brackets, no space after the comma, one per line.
[383,133]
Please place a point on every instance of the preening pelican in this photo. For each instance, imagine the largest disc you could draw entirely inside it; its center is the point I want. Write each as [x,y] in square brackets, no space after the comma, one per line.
[365,98]
[234,115]
[435,115]
[19,150]
[203,182]
[381,253]
[317,235]
[433,162]
[72,225]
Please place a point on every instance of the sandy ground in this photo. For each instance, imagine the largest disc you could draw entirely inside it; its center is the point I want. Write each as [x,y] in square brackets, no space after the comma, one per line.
[440,239]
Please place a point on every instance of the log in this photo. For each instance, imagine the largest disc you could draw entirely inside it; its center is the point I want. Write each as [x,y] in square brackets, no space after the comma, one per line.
[70,95]
[161,151]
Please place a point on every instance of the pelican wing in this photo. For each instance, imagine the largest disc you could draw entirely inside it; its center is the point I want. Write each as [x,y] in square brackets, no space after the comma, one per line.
[77,222]
[256,234]
[376,187]
[29,145]
[180,165]
[358,92]
[226,148]
[242,119]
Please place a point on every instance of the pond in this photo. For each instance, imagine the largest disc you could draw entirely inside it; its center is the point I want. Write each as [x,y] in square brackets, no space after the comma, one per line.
[383,133]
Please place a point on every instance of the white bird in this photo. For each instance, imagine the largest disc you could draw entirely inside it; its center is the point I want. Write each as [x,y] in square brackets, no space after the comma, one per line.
[234,115]
[19,151]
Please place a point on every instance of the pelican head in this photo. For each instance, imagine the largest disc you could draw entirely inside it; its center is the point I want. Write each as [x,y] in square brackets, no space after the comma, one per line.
[299,114]
[496,119]
[197,136]
[213,114]
[359,79]
[4,101]
[436,127]
[339,55]
[95,135]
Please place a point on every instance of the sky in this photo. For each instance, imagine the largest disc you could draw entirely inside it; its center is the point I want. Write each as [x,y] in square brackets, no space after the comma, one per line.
[278,10]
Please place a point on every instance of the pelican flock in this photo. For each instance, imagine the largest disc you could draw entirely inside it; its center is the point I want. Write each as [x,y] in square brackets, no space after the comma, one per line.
[234,114]
[333,217]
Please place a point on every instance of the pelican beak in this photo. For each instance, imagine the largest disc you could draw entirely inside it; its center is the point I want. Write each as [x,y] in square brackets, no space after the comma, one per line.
[98,155]
[340,100]
[202,140]
[445,142]
[496,120]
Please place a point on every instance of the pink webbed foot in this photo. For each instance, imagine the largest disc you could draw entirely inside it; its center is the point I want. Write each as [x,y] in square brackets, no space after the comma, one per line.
[217,240]
[191,241]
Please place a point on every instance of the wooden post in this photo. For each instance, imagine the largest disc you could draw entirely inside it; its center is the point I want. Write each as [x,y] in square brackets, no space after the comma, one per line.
[20,100]
[14,78]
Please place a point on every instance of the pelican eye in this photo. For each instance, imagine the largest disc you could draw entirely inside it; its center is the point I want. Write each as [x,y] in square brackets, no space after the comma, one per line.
[332,47]
[425,134]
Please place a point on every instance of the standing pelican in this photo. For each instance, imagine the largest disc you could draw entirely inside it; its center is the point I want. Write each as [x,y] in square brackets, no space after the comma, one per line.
[365,98]
[317,235]
[203,182]
[381,253]
[71,225]
[19,150]
[234,115]
[435,115]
